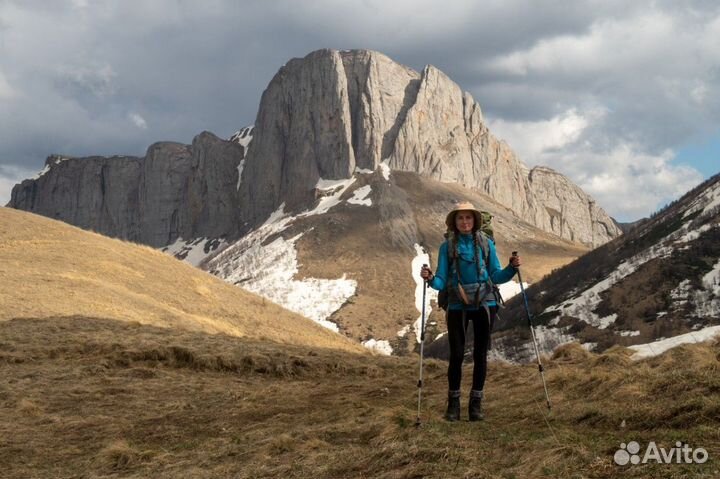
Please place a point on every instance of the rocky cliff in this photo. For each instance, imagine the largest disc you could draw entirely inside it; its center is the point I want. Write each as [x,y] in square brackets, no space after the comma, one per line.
[175,191]
[331,112]
[322,117]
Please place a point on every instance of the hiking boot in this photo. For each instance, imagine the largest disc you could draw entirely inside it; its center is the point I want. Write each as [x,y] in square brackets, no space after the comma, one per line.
[475,406]
[453,408]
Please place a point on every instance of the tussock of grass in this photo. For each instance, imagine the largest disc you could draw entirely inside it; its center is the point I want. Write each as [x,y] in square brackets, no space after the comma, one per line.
[119,456]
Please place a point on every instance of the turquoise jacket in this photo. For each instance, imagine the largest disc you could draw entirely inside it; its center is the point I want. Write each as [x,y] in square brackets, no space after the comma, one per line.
[468,269]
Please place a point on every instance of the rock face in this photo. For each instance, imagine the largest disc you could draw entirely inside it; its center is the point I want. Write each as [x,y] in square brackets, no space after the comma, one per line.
[330,112]
[320,118]
[568,211]
[175,191]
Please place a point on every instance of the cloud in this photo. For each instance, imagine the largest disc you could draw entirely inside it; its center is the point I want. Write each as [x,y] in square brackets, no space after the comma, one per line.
[625,180]
[94,79]
[532,140]
[138,120]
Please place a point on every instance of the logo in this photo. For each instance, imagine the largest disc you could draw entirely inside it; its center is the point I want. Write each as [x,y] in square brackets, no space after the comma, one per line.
[680,454]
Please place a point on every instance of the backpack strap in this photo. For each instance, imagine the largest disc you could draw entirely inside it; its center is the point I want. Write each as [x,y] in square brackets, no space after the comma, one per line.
[484,243]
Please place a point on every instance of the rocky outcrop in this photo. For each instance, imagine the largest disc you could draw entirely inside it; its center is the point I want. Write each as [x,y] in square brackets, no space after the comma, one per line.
[330,112]
[567,210]
[174,191]
[302,133]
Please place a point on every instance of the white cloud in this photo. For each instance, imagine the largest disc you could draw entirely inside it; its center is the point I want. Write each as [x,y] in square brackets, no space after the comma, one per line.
[610,46]
[532,139]
[138,120]
[627,182]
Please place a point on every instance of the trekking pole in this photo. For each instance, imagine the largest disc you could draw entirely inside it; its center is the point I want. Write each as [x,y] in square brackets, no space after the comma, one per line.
[532,330]
[422,344]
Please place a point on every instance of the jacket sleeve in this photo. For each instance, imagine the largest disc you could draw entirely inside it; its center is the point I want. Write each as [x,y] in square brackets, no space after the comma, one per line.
[441,274]
[497,274]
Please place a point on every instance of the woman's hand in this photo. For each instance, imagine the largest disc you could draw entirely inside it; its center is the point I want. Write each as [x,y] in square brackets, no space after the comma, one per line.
[515,261]
[425,273]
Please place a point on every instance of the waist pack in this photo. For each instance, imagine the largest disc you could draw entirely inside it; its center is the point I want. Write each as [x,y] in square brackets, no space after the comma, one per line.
[472,294]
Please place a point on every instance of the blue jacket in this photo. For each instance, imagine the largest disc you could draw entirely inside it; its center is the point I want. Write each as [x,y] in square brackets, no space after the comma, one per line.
[468,269]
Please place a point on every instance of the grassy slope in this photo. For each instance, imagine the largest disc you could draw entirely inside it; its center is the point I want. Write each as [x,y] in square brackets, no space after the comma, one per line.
[51,269]
[85,397]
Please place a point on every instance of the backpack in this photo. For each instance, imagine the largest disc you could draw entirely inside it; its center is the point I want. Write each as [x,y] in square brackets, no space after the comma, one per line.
[483,233]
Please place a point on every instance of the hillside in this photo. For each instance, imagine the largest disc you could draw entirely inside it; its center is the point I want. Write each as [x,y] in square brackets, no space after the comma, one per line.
[654,287]
[52,270]
[84,397]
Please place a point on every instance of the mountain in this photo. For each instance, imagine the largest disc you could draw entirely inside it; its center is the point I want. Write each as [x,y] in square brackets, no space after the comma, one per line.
[334,112]
[653,288]
[321,118]
[334,198]
[51,270]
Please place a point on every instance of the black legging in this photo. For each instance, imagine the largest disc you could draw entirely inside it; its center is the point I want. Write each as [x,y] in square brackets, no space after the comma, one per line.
[456,337]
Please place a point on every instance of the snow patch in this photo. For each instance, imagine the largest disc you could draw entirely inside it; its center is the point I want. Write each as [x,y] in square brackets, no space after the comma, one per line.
[360,196]
[421,258]
[193,251]
[403,332]
[707,201]
[269,271]
[48,167]
[648,350]
[510,289]
[707,300]
[363,171]
[382,346]
[385,170]
[240,168]
[333,190]
[711,281]
[629,333]
[244,136]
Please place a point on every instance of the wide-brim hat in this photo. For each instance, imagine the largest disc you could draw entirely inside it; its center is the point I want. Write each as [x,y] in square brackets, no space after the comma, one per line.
[463,206]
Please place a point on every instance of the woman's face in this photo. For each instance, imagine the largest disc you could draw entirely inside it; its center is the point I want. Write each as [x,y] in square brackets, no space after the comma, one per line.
[464,221]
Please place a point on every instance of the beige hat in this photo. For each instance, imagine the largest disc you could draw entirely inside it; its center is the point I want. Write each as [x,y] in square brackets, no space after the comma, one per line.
[463,206]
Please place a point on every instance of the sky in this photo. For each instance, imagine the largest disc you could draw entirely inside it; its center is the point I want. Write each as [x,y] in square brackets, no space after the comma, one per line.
[621,97]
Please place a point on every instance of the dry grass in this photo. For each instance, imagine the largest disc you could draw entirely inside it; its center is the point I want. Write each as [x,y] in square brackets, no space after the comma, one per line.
[51,269]
[85,397]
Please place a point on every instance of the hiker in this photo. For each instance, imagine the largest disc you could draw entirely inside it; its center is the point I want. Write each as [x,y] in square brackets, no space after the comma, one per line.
[468,256]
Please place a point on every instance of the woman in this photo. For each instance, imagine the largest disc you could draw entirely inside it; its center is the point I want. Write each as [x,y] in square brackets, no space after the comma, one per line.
[462,260]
